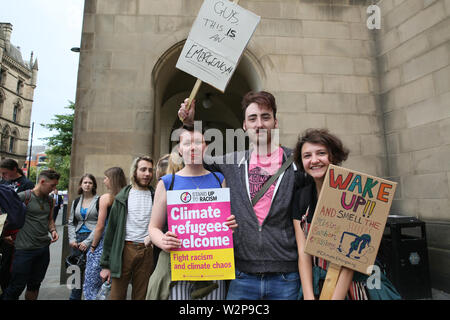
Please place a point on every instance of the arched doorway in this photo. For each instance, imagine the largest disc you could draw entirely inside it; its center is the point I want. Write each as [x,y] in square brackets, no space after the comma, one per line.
[216,109]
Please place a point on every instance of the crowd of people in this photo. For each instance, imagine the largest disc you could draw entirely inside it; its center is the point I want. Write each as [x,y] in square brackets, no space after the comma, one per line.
[123,238]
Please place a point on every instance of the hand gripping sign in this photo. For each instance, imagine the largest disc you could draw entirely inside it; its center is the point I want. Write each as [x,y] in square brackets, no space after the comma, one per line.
[198,218]
[216,42]
[349,222]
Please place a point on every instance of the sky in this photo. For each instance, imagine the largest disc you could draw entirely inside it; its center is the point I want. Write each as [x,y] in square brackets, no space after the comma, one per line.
[49,28]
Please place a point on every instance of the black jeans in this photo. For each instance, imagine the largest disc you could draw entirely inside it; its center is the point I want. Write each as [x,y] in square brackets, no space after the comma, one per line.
[28,270]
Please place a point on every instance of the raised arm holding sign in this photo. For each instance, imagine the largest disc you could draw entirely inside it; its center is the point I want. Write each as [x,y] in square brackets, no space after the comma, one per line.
[216,42]
[340,220]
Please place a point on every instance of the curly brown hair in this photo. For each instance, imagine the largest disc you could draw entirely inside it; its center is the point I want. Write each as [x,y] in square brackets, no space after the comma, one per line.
[338,153]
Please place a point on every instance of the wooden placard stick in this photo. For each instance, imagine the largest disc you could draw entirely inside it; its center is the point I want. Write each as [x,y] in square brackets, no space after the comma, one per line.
[197,85]
[330,281]
[194,91]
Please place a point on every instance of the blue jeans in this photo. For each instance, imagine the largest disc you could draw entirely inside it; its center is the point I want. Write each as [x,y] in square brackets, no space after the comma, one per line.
[28,270]
[267,286]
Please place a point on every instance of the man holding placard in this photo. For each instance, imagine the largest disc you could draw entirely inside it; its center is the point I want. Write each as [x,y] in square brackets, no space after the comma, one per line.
[265,248]
[262,181]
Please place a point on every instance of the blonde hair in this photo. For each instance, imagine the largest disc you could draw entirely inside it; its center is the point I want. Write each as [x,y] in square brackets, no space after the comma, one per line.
[175,163]
[161,166]
[134,167]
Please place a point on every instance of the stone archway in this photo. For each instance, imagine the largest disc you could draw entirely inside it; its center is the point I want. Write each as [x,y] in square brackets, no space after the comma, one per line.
[216,109]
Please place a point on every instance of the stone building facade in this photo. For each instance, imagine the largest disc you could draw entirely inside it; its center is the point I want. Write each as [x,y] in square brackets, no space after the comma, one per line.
[385,92]
[413,54]
[17,84]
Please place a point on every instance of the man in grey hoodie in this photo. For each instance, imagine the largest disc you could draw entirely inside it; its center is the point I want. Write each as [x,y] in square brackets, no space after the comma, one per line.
[265,247]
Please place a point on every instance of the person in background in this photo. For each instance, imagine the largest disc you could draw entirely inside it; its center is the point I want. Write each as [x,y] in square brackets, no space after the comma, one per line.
[161,166]
[176,163]
[161,169]
[125,257]
[114,182]
[58,200]
[32,253]
[13,177]
[82,221]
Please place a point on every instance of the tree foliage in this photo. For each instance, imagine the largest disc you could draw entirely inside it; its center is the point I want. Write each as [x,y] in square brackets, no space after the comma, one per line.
[60,145]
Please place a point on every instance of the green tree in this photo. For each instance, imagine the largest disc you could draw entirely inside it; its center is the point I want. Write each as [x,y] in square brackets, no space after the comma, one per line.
[32,176]
[60,145]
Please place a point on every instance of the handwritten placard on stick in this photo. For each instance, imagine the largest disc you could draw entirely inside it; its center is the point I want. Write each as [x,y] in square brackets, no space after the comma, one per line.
[216,42]
[349,219]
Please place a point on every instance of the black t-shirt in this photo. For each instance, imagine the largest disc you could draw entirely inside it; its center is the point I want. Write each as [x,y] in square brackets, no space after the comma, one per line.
[20,184]
[304,197]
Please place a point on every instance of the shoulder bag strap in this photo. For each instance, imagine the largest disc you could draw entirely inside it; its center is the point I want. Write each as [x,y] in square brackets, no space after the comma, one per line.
[27,197]
[171,184]
[272,179]
[218,180]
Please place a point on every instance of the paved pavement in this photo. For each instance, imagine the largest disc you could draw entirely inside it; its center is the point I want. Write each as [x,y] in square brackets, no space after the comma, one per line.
[51,289]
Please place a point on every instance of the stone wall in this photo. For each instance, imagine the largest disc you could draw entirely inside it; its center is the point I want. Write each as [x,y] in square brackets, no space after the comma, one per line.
[320,62]
[384,92]
[413,50]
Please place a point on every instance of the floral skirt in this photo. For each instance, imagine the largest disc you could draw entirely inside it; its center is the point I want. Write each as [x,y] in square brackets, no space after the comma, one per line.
[92,280]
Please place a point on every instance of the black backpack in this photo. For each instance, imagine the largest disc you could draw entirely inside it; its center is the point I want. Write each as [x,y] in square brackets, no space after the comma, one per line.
[13,206]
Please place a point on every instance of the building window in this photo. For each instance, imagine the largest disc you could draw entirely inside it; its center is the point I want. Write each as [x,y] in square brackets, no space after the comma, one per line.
[2,77]
[11,144]
[2,101]
[19,87]
[4,139]
[15,112]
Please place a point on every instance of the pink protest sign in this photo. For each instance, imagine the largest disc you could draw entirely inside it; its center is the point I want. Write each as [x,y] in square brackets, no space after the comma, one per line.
[198,218]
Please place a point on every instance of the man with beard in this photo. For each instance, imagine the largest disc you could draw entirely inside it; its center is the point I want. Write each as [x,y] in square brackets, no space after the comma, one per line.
[265,250]
[125,257]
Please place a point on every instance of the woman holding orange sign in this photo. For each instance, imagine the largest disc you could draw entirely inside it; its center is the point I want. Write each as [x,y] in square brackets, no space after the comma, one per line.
[316,149]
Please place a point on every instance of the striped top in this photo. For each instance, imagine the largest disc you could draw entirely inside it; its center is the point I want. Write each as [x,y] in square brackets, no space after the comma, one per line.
[358,289]
[138,217]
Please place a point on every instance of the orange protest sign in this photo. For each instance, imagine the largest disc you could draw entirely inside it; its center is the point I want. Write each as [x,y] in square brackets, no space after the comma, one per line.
[349,221]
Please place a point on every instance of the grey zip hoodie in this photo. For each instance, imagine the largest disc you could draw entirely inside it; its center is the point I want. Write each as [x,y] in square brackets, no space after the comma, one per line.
[270,247]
